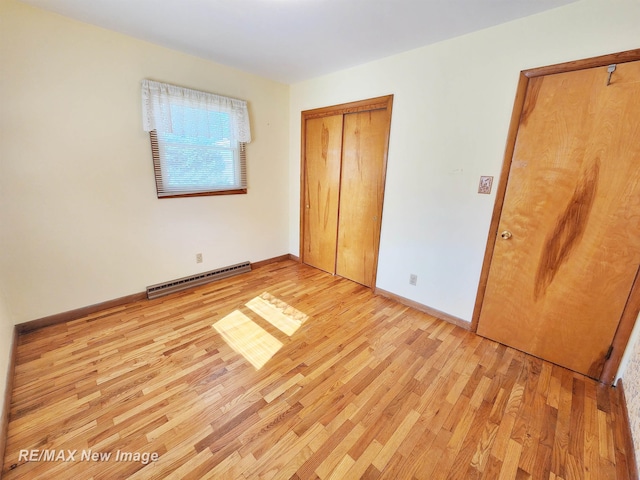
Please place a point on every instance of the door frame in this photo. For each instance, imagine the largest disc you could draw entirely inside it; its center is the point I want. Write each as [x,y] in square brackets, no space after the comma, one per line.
[632,307]
[376,103]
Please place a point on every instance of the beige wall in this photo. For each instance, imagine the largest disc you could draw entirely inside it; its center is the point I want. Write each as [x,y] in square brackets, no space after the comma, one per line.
[630,371]
[80,221]
[6,340]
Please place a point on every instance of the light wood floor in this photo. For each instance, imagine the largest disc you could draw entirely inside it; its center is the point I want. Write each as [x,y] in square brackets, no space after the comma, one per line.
[364,388]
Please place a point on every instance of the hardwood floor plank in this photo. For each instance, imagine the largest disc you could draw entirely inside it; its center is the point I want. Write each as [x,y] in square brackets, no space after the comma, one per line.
[363,462]
[428,460]
[308,469]
[510,464]
[364,387]
[392,444]
[331,461]
[472,442]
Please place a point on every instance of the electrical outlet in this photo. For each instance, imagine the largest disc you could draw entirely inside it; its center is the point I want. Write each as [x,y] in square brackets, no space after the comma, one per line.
[413,279]
[198,258]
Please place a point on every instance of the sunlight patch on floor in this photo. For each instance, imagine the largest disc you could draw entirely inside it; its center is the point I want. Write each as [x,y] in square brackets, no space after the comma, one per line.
[279,314]
[248,339]
[252,341]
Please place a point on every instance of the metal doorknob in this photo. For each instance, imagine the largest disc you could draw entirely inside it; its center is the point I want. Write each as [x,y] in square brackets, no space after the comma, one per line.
[506,235]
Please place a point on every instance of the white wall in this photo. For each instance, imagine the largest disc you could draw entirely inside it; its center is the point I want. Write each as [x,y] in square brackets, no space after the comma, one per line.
[451,112]
[6,340]
[80,220]
[631,382]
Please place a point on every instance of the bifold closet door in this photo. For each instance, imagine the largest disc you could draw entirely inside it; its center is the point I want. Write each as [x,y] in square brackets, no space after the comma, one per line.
[344,159]
[364,147]
[323,151]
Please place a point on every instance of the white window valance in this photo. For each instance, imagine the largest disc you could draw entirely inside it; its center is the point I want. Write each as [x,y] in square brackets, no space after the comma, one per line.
[171,109]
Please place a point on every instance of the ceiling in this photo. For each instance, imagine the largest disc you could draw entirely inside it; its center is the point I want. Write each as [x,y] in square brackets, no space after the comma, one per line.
[294,40]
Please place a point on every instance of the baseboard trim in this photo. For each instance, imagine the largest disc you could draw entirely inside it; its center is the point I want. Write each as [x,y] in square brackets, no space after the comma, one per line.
[6,408]
[29,326]
[629,447]
[424,308]
[269,261]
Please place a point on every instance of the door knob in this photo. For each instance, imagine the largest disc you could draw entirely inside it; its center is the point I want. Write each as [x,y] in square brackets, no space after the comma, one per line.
[506,235]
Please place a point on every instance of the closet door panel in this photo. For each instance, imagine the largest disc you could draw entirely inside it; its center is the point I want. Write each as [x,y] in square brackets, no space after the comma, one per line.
[323,147]
[364,149]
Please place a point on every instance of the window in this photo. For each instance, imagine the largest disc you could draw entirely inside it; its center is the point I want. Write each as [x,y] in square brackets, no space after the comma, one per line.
[198,140]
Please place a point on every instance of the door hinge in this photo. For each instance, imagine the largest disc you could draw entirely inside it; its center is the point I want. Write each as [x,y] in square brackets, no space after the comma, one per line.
[609,352]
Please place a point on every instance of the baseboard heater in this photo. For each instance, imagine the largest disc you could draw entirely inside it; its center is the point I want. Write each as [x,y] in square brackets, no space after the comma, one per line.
[160,289]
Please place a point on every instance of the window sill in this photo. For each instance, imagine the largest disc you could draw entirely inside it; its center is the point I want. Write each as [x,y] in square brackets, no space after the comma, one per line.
[241,191]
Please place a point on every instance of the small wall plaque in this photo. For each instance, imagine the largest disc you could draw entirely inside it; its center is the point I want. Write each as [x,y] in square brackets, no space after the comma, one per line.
[485,185]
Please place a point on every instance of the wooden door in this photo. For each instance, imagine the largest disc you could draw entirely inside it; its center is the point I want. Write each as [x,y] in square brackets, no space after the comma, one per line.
[323,151]
[362,189]
[343,170]
[567,249]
